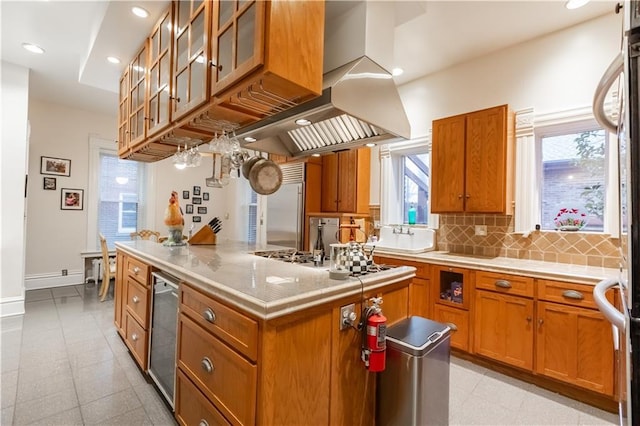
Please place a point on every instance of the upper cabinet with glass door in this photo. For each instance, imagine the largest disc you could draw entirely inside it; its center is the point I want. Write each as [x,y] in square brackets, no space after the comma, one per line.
[159,105]
[137,97]
[123,113]
[191,51]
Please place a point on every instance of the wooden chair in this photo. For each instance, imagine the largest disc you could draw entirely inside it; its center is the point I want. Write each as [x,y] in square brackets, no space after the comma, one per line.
[108,269]
[145,234]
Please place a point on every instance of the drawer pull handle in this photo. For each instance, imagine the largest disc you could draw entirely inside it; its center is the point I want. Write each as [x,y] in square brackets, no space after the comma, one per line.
[206,365]
[203,422]
[503,284]
[136,270]
[452,326]
[572,294]
[529,320]
[135,299]
[540,322]
[134,337]
[209,315]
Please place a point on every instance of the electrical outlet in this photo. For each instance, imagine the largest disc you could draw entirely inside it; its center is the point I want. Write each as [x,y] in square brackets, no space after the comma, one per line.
[481,230]
[65,272]
[348,316]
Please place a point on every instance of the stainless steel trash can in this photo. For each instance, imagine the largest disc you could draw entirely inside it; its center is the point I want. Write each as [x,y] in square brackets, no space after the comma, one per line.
[414,387]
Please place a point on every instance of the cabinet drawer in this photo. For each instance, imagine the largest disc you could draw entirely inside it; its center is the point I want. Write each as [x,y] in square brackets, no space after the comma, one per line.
[458,320]
[137,270]
[569,293]
[422,269]
[138,302]
[234,328]
[136,339]
[223,375]
[192,407]
[503,283]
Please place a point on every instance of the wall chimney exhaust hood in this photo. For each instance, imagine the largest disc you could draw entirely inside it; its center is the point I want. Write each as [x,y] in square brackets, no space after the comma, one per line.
[359,104]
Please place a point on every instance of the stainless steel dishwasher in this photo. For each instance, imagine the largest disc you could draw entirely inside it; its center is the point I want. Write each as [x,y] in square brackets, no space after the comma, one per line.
[164,328]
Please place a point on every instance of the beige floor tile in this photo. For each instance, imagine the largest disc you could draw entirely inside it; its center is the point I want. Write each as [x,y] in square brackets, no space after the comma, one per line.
[36,388]
[8,389]
[137,417]
[6,416]
[101,410]
[66,291]
[37,409]
[70,417]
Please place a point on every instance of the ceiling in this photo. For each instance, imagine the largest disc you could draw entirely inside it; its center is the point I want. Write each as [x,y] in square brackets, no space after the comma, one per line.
[78,36]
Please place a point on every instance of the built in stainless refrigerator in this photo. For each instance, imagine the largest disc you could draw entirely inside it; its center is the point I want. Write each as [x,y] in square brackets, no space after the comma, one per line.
[625,318]
[285,209]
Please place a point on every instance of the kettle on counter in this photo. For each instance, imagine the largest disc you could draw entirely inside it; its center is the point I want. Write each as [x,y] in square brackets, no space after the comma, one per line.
[356,260]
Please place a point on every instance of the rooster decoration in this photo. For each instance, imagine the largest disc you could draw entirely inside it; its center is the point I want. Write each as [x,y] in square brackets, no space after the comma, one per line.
[174,220]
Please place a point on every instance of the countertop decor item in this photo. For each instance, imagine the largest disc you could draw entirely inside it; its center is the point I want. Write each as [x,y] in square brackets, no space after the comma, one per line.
[569,219]
[174,221]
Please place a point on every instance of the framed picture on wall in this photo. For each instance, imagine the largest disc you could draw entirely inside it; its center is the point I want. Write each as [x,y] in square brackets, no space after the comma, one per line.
[49,183]
[196,200]
[196,190]
[189,208]
[197,219]
[185,195]
[205,196]
[55,166]
[71,199]
[202,210]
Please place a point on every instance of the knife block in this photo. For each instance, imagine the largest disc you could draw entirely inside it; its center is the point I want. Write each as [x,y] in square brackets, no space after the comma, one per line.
[204,236]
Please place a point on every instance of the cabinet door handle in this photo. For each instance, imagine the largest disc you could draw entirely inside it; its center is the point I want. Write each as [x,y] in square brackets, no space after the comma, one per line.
[529,320]
[452,326]
[213,65]
[209,315]
[134,337]
[135,299]
[203,422]
[503,284]
[136,270]
[174,99]
[572,294]
[467,196]
[206,365]
[459,196]
[540,321]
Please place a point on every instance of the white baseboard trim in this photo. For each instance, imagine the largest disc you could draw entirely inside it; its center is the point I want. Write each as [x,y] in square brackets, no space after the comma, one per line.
[37,281]
[10,306]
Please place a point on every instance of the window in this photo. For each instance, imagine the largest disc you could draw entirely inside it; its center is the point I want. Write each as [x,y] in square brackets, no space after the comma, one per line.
[573,175]
[404,180]
[116,196]
[252,229]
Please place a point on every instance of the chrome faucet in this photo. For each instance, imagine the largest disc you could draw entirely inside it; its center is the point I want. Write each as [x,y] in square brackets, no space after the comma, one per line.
[401,230]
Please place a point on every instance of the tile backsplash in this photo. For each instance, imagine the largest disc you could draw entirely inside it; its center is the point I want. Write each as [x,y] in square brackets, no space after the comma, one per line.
[457,235]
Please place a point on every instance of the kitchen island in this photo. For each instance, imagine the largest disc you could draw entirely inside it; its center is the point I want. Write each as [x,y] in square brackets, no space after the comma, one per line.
[259,340]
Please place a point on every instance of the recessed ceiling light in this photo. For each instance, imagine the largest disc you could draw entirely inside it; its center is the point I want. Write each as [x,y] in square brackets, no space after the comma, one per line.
[249,139]
[138,11]
[397,71]
[303,122]
[315,155]
[33,48]
[113,59]
[574,4]
[370,144]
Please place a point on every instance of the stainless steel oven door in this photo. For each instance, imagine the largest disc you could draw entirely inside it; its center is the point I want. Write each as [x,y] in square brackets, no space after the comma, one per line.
[164,328]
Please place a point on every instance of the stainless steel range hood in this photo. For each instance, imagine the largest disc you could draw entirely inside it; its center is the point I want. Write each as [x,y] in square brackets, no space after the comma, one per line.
[359,104]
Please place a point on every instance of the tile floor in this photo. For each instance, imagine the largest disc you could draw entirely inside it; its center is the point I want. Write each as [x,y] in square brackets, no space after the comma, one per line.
[64,364]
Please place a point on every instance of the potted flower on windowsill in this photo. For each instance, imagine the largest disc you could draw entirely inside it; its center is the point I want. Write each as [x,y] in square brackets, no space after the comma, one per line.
[570,220]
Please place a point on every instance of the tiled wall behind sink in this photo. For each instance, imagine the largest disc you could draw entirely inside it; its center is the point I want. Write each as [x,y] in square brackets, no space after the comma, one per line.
[457,235]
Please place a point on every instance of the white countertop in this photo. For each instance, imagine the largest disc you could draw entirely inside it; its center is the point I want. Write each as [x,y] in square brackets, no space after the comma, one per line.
[533,268]
[267,288]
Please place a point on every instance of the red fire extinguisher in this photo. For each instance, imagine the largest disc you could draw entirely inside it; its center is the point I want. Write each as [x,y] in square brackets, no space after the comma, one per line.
[374,351]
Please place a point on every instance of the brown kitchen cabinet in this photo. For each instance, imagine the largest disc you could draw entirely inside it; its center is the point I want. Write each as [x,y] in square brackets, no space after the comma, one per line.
[452,293]
[190,56]
[420,299]
[574,342]
[346,181]
[160,72]
[472,162]
[123,113]
[137,98]
[118,294]
[503,322]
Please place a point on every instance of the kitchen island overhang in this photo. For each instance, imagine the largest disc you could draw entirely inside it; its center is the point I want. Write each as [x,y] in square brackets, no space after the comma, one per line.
[264,288]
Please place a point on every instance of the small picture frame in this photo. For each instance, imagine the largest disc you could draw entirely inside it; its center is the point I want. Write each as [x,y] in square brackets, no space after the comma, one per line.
[205,196]
[71,199]
[197,219]
[202,210]
[196,200]
[196,190]
[49,183]
[185,195]
[55,166]
[189,208]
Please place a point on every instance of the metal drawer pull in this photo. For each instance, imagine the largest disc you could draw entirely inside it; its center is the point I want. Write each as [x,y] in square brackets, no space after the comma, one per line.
[209,315]
[503,284]
[206,365]
[134,337]
[452,326]
[572,294]
[136,270]
[135,299]
[203,422]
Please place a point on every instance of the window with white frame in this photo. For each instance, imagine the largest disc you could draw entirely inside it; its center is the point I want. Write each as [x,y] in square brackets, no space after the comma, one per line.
[573,176]
[405,178]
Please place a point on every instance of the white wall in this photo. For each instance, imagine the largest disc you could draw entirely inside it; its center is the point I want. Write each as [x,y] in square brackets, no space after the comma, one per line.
[13,161]
[557,72]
